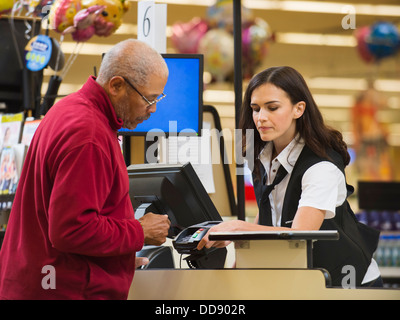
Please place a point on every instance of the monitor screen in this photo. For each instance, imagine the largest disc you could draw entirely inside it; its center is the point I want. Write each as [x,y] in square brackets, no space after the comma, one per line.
[175,190]
[378,195]
[181,112]
[13,33]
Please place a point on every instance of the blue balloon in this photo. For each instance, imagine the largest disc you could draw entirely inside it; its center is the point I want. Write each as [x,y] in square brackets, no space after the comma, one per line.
[384,40]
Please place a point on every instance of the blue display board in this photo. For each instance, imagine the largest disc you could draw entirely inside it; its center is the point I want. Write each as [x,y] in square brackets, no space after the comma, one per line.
[181,112]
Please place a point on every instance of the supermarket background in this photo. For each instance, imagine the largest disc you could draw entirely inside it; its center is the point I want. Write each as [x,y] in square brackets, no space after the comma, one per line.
[348,51]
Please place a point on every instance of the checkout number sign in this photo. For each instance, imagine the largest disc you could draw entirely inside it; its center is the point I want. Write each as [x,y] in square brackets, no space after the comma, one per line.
[146,16]
[152,24]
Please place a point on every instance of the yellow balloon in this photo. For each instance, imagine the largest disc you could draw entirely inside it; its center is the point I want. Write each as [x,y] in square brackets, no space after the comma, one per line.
[113,11]
[62,14]
[34,3]
[6,5]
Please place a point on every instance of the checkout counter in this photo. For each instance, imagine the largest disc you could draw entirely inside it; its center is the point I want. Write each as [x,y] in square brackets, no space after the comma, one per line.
[269,265]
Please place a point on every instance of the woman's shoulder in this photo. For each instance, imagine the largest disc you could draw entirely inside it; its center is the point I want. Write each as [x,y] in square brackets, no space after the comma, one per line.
[309,158]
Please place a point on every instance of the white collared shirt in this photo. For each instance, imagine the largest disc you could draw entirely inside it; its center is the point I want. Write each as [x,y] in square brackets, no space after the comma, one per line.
[323,184]
[323,187]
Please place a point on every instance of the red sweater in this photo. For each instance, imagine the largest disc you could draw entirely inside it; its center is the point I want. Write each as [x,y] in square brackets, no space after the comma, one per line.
[72,209]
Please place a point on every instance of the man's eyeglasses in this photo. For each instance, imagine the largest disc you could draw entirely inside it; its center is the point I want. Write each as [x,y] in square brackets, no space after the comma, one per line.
[150,103]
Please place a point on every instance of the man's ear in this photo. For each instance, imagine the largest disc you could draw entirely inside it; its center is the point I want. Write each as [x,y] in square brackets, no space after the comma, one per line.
[116,86]
[300,107]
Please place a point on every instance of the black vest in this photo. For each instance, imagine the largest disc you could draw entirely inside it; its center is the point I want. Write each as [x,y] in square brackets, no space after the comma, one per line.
[356,243]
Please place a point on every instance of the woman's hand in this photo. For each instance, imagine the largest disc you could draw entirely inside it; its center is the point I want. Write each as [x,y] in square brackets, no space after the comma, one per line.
[227,226]
[307,218]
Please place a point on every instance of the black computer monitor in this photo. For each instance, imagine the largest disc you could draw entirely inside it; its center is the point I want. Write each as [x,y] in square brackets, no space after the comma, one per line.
[19,88]
[175,190]
[378,195]
[181,112]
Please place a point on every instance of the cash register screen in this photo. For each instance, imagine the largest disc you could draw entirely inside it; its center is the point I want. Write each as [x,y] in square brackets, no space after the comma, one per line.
[175,190]
[181,111]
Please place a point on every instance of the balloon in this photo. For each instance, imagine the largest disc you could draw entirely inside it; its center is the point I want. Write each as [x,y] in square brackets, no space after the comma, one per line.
[84,23]
[62,14]
[361,35]
[110,19]
[220,15]
[6,6]
[186,36]
[255,45]
[217,46]
[384,40]
[84,18]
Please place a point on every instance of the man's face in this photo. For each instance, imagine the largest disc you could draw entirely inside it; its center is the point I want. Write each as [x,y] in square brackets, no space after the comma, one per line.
[132,108]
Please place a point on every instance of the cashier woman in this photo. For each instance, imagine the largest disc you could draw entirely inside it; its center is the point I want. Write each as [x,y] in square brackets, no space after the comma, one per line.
[292,143]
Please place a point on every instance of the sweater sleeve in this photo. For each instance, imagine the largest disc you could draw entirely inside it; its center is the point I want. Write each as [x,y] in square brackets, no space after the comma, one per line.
[78,222]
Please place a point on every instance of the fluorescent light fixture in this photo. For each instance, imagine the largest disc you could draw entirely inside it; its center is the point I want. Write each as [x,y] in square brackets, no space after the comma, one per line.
[281,37]
[86,48]
[334,100]
[302,6]
[316,39]
[357,84]
[387,85]
[221,96]
[377,10]
[201,3]
[127,28]
[131,29]
[331,115]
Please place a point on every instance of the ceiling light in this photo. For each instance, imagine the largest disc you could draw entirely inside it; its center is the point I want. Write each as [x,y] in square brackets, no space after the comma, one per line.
[202,3]
[301,6]
[334,100]
[225,96]
[387,85]
[86,48]
[316,39]
[357,84]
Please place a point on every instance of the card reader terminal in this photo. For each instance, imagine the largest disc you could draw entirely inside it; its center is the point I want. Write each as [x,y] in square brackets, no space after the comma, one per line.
[186,242]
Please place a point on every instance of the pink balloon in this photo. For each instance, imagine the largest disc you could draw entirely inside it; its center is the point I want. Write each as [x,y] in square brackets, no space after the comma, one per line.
[255,44]
[85,23]
[186,36]
[361,35]
[217,46]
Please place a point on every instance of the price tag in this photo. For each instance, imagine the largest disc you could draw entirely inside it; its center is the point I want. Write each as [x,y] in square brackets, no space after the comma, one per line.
[152,24]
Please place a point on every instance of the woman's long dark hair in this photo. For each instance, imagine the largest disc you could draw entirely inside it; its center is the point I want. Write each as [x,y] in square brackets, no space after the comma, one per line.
[310,126]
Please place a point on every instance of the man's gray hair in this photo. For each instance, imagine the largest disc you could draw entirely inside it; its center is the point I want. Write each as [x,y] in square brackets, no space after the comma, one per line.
[134,60]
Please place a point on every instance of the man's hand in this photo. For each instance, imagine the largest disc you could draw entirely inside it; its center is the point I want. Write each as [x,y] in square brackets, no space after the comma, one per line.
[141,261]
[155,228]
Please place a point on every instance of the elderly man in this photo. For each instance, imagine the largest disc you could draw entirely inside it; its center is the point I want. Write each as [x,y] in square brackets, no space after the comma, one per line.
[72,232]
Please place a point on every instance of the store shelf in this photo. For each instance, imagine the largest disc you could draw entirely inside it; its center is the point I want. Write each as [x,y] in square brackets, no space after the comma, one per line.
[390,272]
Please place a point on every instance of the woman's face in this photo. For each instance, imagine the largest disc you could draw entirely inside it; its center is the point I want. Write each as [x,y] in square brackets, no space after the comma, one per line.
[274,115]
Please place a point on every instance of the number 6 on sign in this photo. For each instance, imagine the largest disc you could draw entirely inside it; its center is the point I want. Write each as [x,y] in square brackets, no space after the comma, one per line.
[152,24]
